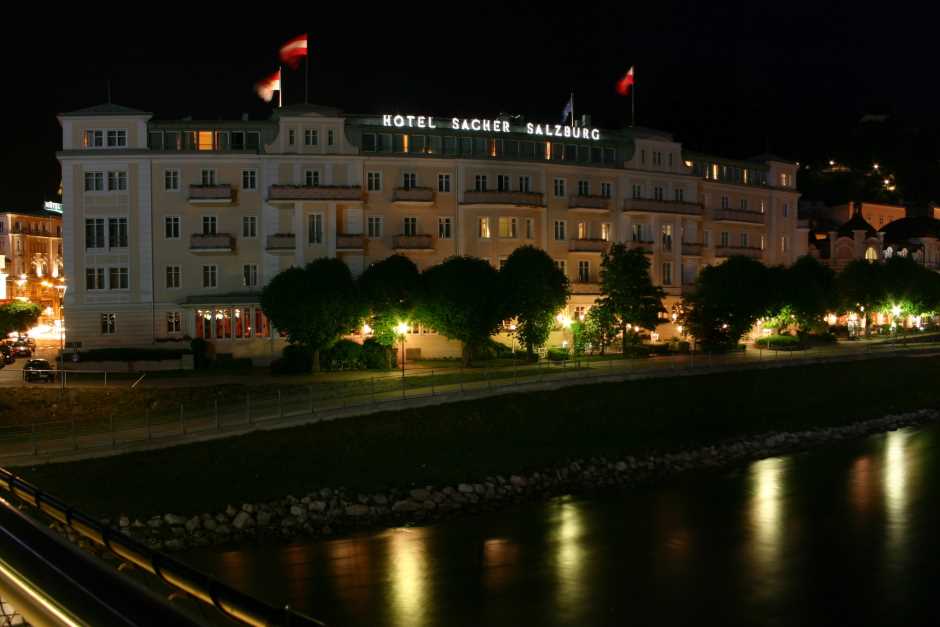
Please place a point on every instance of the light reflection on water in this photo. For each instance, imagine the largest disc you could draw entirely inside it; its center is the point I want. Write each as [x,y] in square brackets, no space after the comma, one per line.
[786,541]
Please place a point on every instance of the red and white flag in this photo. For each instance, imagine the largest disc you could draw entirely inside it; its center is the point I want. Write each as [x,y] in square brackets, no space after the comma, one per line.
[266,87]
[624,84]
[293,50]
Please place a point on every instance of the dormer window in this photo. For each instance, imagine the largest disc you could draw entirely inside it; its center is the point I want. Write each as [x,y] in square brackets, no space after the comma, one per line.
[205,140]
[238,140]
[117,138]
[93,139]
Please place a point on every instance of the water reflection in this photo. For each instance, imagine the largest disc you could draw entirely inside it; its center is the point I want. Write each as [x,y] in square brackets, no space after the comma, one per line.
[500,557]
[569,554]
[861,484]
[896,492]
[408,569]
[766,511]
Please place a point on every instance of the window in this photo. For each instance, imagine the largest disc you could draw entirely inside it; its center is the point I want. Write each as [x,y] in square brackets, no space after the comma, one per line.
[209,225]
[108,323]
[479,183]
[172,277]
[118,278]
[657,193]
[205,140]
[725,202]
[117,232]
[784,179]
[667,273]
[374,226]
[410,226]
[706,238]
[94,181]
[94,278]
[444,228]
[409,180]
[171,227]
[173,322]
[562,265]
[94,233]
[311,137]
[208,177]
[529,228]
[250,275]
[584,188]
[667,237]
[744,204]
[210,276]
[559,187]
[171,180]
[330,137]
[679,194]
[93,139]
[637,191]
[786,209]
[744,240]
[312,178]
[783,244]
[605,190]
[724,239]
[643,155]
[117,138]
[249,226]
[870,254]
[315,228]
[507,227]
[584,271]
[117,181]
[249,179]
[560,228]
[484,228]
[374,181]
[525,184]
[443,183]
[502,183]
[605,232]
[584,231]
[291,137]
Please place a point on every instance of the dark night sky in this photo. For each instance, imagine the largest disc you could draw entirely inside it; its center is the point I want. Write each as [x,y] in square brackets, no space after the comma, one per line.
[734,79]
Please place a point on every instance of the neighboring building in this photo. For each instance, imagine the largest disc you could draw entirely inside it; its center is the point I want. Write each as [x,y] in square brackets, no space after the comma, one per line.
[31,242]
[877,215]
[917,237]
[172,228]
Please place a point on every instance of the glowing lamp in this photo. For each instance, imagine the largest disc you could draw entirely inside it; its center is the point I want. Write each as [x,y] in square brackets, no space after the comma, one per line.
[366,329]
[896,310]
[402,328]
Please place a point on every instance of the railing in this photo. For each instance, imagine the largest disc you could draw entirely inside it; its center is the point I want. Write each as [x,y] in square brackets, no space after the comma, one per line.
[413,242]
[585,287]
[282,242]
[350,242]
[637,244]
[310,192]
[648,205]
[413,195]
[589,202]
[692,248]
[215,242]
[526,199]
[588,245]
[738,215]
[210,193]
[755,252]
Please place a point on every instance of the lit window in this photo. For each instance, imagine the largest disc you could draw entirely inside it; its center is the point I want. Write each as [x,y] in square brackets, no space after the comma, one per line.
[484,231]
[205,140]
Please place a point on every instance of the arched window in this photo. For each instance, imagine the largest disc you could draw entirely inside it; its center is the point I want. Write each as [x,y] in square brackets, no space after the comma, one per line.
[870,254]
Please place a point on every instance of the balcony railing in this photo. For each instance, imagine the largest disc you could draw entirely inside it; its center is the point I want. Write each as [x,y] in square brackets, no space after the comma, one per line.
[414,195]
[206,243]
[588,245]
[282,243]
[645,245]
[309,192]
[413,242]
[521,199]
[648,205]
[350,242]
[591,203]
[738,215]
[585,287]
[692,248]
[754,252]
[211,194]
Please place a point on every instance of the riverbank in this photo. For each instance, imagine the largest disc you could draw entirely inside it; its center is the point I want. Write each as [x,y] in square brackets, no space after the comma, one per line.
[411,466]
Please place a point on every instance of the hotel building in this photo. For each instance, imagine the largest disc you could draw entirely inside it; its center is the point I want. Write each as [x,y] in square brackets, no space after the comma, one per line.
[31,257]
[172,227]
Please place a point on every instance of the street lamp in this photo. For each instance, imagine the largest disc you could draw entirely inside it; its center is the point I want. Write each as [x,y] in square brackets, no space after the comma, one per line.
[402,329]
[61,288]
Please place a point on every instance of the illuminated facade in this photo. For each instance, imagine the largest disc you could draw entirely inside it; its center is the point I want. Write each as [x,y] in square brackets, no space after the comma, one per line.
[172,228]
[31,245]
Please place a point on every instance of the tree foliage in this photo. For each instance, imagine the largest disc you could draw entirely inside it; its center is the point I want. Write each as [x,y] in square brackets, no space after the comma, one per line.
[18,316]
[390,289]
[535,290]
[314,305]
[600,327]
[627,291]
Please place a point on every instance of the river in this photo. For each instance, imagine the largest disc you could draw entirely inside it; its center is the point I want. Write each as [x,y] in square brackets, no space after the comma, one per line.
[844,535]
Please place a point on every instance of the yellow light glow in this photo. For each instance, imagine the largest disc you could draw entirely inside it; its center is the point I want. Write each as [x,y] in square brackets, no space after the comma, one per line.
[366,329]
[205,140]
[36,595]
[402,328]
[563,320]
[896,310]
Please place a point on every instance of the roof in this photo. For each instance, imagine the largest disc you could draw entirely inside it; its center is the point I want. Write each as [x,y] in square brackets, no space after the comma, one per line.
[36,213]
[908,228]
[106,109]
[645,132]
[767,156]
[301,109]
[857,223]
[692,155]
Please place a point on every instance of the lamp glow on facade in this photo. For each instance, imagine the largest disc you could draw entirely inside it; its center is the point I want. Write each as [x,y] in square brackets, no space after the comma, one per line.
[366,329]
[896,310]
[401,328]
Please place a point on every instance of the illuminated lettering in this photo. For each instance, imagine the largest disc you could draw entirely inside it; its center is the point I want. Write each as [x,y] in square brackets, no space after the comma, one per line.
[475,124]
[530,128]
[411,120]
[557,130]
[595,134]
[486,125]
[422,121]
[399,121]
[464,125]
[492,126]
[431,121]
[567,131]
[386,120]
[455,123]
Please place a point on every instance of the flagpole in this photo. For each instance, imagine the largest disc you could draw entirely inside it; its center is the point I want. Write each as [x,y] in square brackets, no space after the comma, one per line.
[280,87]
[633,104]
[307,78]
[572,110]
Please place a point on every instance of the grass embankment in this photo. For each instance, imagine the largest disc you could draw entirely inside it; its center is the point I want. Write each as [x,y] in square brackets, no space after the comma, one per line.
[467,440]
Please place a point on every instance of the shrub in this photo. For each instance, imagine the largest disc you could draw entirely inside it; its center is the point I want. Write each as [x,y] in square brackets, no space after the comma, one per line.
[295,359]
[779,342]
[658,349]
[636,351]
[344,355]
[491,349]
[374,355]
[679,346]
[815,339]
[558,354]
[722,348]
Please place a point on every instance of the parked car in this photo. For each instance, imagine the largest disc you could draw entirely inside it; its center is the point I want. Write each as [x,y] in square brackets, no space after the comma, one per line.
[29,341]
[22,349]
[38,369]
[6,354]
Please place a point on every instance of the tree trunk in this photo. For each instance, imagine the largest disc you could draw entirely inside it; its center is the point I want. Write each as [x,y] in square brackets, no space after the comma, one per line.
[623,338]
[388,357]
[466,352]
[316,360]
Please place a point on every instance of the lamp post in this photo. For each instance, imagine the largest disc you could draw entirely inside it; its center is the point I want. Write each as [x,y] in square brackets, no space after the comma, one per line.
[61,288]
[402,329]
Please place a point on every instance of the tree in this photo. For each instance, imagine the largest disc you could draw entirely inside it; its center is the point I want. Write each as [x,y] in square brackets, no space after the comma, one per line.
[315,305]
[861,286]
[461,299]
[600,327]
[18,316]
[534,289]
[727,301]
[389,289]
[628,292]
[801,293]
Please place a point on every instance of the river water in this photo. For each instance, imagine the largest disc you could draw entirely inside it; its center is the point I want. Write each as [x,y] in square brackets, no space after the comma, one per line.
[845,535]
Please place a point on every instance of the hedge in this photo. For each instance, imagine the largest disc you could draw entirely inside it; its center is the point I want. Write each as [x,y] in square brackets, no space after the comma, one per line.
[779,342]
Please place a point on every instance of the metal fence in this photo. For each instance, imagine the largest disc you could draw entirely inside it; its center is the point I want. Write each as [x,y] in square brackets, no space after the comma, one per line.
[261,408]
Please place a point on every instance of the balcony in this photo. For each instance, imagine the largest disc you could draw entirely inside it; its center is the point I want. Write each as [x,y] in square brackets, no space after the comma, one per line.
[692,248]
[648,205]
[518,199]
[594,204]
[588,245]
[211,244]
[413,243]
[585,287]
[645,245]
[291,193]
[738,215]
[211,194]
[755,252]
[281,243]
[413,196]
[350,242]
